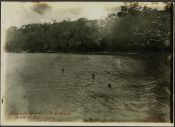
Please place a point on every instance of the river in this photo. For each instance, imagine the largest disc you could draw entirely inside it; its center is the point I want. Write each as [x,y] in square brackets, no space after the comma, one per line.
[77,84]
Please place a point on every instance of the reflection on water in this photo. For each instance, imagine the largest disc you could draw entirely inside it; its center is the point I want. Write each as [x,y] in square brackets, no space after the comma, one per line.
[139,86]
[158,65]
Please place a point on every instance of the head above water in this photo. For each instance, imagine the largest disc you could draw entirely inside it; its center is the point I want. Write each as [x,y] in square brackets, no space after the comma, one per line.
[109,85]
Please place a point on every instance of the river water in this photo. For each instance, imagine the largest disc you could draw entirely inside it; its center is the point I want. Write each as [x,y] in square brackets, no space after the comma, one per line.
[77,84]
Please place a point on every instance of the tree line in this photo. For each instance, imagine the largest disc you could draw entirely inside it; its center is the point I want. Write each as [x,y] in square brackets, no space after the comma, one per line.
[133,28]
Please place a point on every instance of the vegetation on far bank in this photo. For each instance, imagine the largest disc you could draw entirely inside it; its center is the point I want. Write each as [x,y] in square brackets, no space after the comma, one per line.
[134,28]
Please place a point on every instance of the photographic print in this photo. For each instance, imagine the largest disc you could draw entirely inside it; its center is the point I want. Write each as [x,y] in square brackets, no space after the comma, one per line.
[86,63]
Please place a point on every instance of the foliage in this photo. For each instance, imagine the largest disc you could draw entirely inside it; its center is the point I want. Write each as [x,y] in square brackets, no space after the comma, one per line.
[135,27]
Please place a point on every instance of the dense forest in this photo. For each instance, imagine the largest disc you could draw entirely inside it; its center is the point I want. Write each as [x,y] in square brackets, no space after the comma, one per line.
[133,28]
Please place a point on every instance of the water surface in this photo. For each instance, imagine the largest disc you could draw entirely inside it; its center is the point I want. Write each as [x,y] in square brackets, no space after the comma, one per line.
[35,83]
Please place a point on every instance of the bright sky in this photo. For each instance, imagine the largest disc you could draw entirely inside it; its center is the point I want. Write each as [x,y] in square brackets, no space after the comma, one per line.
[20,13]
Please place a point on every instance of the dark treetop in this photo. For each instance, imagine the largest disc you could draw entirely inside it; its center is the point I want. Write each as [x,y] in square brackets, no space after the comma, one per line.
[134,28]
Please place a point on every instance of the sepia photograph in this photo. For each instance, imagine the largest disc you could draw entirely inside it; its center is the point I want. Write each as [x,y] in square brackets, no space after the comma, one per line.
[87,63]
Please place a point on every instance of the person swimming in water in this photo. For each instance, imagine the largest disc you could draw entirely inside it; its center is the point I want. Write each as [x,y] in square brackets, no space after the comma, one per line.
[62,69]
[93,76]
[109,85]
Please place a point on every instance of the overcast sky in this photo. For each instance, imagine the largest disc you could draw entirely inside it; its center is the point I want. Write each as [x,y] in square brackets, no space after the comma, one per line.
[20,13]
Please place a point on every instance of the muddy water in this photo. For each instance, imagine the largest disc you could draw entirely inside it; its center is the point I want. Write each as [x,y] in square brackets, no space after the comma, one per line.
[78,85]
